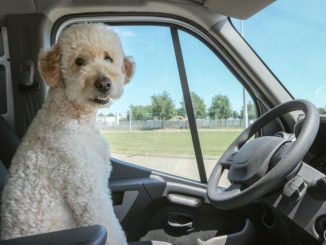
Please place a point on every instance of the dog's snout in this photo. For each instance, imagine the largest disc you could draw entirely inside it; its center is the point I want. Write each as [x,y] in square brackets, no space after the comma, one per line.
[103,84]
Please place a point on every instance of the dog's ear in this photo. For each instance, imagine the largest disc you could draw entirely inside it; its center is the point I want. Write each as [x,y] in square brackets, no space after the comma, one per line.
[128,68]
[49,65]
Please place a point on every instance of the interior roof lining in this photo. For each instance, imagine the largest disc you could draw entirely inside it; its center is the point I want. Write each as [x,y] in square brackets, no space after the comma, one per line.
[56,9]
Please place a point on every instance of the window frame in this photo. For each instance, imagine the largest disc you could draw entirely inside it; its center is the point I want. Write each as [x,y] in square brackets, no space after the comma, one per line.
[174,23]
[188,104]
[6,64]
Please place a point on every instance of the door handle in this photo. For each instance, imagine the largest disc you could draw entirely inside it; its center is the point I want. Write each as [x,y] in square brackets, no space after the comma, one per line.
[184,200]
[180,222]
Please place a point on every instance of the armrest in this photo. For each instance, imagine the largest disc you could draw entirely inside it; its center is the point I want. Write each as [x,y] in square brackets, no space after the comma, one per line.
[89,235]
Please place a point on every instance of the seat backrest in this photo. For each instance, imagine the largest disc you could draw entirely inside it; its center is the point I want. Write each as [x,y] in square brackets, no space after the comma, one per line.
[3,175]
[8,146]
[8,142]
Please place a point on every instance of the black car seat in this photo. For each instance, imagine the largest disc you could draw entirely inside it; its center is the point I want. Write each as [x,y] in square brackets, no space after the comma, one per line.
[8,146]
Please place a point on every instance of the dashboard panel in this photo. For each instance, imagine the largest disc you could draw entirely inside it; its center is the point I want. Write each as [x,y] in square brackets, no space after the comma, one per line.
[316,157]
[306,212]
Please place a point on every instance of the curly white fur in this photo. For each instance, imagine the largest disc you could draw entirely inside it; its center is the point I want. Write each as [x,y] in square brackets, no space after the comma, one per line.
[59,176]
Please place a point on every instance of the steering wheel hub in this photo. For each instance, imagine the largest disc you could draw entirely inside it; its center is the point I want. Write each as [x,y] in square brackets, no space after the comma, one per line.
[252,161]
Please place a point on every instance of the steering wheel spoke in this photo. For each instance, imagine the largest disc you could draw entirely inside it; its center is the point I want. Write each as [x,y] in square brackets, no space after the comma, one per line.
[235,188]
[227,162]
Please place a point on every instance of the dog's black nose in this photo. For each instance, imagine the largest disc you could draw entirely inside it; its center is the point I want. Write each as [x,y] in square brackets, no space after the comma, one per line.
[103,84]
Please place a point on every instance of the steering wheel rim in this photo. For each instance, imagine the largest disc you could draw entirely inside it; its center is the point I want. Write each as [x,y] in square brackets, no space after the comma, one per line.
[234,197]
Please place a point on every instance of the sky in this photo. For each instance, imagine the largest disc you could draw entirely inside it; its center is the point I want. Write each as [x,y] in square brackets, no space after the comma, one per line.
[289,35]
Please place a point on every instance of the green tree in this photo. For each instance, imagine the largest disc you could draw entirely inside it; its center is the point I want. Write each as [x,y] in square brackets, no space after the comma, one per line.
[220,107]
[140,112]
[322,110]
[162,106]
[235,114]
[198,105]
[182,110]
[251,111]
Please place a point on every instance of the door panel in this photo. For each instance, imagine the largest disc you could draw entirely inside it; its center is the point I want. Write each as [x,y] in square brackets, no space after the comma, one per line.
[157,206]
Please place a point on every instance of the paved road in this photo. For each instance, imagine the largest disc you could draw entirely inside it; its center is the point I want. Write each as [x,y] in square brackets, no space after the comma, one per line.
[185,167]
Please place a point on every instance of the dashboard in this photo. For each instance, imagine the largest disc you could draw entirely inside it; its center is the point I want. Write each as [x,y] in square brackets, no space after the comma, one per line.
[306,211]
[316,157]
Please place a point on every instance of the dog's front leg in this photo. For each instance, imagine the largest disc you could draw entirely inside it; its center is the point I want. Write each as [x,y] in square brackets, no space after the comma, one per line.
[87,195]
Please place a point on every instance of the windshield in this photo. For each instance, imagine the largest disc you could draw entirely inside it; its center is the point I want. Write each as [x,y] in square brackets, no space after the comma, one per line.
[290,36]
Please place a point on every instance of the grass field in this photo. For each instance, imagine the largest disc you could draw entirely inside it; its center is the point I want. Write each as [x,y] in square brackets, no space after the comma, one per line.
[174,143]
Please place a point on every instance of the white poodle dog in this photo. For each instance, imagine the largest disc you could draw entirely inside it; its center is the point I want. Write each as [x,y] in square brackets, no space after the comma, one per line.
[58,178]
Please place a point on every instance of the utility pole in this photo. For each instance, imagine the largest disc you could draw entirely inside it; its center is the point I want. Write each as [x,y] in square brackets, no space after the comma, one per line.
[117,119]
[130,120]
[245,109]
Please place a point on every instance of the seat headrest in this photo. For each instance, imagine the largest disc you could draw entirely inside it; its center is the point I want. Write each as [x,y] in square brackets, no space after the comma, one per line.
[8,142]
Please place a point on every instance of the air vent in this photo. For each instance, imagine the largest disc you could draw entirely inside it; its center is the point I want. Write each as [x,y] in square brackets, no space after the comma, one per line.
[3,89]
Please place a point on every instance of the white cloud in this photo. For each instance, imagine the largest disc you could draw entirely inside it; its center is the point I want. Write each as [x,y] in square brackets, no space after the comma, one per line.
[129,34]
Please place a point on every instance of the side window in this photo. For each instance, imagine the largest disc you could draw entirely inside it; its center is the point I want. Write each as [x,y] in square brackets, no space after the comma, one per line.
[217,99]
[147,125]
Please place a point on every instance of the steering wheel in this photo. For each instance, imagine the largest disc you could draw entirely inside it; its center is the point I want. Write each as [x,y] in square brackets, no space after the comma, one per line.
[263,164]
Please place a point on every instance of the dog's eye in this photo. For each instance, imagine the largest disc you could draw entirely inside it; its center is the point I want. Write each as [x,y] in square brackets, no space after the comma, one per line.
[80,62]
[108,59]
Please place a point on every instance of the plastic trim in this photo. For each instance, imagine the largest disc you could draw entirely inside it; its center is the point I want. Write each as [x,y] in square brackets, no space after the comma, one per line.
[5,62]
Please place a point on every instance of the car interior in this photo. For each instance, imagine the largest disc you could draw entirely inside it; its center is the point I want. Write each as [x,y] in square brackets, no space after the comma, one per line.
[278,187]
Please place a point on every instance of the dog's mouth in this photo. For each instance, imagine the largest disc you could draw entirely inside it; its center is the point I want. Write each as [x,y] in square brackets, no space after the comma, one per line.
[102,100]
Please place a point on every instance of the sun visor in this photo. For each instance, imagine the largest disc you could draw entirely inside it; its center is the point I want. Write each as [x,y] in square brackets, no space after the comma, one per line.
[240,9]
